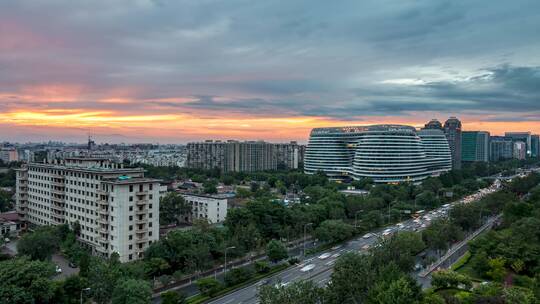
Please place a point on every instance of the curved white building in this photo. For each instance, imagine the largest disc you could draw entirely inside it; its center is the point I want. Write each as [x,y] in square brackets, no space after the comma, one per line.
[439,156]
[384,153]
[331,150]
[390,153]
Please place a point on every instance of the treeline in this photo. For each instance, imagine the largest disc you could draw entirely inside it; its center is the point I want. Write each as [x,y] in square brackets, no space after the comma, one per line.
[383,275]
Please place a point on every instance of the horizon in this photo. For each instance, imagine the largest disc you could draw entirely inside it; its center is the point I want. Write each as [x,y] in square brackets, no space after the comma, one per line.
[171,72]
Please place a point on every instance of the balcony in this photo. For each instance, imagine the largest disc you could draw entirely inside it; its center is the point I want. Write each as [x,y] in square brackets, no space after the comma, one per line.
[58,184]
[102,192]
[58,176]
[141,193]
[141,202]
[103,229]
[143,221]
[103,220]
[58,208]
[141,212]
[58,199]
[58,191]
[142,239]
[141,230]
[101,202]
[102,211]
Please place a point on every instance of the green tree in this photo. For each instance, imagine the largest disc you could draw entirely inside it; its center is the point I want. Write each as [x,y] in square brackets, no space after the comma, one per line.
[26,281]
[450,279]
[172,209]
[132,291]
[497,270]
[276,251]
[209,286]
[305,292]
[519,295]
[401,291]
[334,231]
[173,297]
[40,244]
[237,275]
[210,187]
[5,201]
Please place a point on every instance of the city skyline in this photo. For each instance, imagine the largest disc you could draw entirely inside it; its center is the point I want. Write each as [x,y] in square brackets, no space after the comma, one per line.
[171,72]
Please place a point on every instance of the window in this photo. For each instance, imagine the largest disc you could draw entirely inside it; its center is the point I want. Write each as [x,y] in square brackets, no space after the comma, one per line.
[150,215]
[130,227]
[131,198]
[151,186]
[130,188]
[130,208]
[131,218]
[130,247]
[130,237]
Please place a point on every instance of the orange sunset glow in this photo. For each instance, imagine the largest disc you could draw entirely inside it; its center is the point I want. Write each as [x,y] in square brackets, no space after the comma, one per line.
[137,73]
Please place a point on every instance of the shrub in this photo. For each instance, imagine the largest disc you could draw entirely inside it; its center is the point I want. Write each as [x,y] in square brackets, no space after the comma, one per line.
[237,276]
[262,267]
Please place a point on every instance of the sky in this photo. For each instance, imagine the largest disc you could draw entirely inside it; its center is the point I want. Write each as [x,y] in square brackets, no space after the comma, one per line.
[178,71]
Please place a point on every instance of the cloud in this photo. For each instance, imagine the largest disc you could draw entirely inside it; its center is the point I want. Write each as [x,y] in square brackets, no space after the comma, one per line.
[272,59]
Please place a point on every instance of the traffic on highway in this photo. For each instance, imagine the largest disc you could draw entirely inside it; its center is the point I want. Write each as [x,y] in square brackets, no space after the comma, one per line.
[318,268]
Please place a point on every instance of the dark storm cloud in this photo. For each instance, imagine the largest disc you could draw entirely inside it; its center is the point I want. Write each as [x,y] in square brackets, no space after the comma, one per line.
[335,59]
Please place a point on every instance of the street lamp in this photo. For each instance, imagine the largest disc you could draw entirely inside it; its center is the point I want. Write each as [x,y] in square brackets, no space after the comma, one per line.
[305,226]
[225,267]
[356,218]
[84,289]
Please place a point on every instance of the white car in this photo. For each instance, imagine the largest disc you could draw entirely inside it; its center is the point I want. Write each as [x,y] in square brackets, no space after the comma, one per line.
[282,284]
[335,255]
[307,268]
[58,269]
[367,235]
[325,256]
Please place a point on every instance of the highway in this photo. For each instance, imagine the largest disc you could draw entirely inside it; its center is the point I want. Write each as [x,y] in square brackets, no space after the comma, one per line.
[323,262]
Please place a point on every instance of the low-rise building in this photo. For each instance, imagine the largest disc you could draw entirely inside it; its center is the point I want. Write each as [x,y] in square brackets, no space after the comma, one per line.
[210,207]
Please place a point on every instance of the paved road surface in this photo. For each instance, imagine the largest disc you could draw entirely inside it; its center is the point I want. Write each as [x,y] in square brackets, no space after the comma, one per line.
[323,267]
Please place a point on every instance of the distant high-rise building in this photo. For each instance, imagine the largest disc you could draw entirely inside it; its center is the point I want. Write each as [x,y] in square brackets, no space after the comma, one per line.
[452,129]
[9,154]
[500,148]
[524,137]
[433,124]
[475,146]
[287,155]
[535,146]
[247,156]
[520,150]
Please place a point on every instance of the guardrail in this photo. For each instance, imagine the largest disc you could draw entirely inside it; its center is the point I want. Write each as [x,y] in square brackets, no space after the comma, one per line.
[458,247]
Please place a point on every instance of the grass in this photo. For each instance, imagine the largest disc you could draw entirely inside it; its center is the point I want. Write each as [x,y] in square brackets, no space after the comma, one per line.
[200,298]
[464,267]
[462,261]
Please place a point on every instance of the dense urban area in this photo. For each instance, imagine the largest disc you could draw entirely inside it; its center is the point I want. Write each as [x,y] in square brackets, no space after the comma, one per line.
[372,214]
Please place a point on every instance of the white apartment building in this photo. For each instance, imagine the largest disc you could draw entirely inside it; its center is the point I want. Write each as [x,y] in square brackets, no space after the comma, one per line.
[210,207]
[117,208]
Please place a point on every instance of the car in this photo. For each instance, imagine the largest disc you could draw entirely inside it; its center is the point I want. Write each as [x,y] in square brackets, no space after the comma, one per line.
[264,282]
[335,255]
[72,265]
[330,263]
[307,268]
[6,240]
[336,247]
[365,247]
[325,256]
[58,269]
[367,236]
[282,284]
